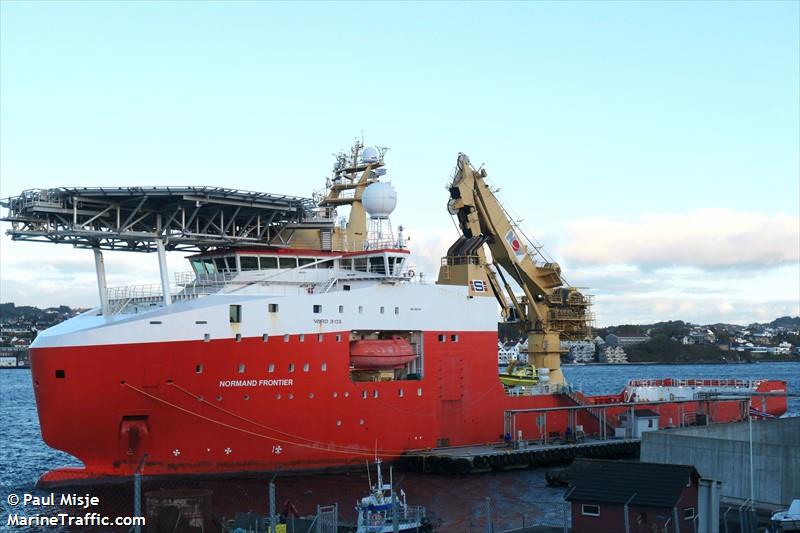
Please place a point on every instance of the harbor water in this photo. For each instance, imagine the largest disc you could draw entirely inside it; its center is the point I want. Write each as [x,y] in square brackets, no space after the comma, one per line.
[458,504]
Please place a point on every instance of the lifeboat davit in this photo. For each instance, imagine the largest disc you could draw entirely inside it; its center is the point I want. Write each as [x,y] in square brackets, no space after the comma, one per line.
[381,353]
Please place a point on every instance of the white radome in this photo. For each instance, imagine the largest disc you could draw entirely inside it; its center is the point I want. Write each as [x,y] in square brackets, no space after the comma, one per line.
[370,155]
[379,199]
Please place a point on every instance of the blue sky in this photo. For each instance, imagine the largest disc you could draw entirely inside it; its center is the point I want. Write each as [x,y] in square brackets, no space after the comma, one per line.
[652,147]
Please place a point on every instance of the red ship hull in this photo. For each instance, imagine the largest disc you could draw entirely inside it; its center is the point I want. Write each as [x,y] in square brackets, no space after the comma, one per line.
[193,411]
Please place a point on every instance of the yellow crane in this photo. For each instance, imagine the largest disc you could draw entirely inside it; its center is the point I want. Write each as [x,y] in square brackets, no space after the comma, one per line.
[549,309]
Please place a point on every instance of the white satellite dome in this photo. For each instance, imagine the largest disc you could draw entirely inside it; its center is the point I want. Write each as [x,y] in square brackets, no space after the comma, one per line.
[370,155]
[379,199]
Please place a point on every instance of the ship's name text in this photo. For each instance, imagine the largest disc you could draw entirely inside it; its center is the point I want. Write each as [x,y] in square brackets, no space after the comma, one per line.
[255,383]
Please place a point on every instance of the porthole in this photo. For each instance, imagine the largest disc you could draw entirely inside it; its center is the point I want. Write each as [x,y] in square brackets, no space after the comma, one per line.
[241,368]
[338,422]
[206,337]
[271,368]
[454,338]
[219,397]
[306,367]
[238,337]
[419,391]
[338,338]
[319,337]
[346,394]
[246,396]
[291,367]
[335,394]
[310,395]
[324,367]
[278,396]
[361,422]
[441,338]
[302,337]
[198,369]
[375,393]
[400,393]
[286,338]
[364,394]
[291,396]
[265,337]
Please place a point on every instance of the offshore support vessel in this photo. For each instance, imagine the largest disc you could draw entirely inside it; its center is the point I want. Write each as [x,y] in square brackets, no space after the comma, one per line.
[303,342]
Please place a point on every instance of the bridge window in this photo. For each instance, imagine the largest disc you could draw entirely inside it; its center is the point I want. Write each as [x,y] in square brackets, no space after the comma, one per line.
[269,262]
[288,262]
[248,262]
[377,265]
[360,264]
[346,264]
[306,261]
[235,312]
[326,264]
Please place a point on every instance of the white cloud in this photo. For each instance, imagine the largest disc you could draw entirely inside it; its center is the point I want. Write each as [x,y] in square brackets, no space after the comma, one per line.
[703,238]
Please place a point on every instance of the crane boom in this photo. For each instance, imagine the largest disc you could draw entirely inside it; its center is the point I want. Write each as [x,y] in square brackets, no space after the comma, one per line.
[549,309]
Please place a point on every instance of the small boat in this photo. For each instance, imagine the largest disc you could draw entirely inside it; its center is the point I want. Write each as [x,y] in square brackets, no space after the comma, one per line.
[370,354]
[519,374]
[787,520]
[376,511]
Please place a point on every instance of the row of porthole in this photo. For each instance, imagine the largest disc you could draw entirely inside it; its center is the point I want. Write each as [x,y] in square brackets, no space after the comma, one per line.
[364,395]
[382,309]
[198,369]
[265,337]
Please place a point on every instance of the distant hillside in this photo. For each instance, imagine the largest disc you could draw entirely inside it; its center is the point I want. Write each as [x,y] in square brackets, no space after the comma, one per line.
[789,322]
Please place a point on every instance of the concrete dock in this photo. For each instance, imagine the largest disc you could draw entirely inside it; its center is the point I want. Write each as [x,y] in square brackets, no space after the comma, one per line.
[500,456]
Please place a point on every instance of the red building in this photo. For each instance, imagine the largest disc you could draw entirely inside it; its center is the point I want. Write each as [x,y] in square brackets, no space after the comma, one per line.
[614,496]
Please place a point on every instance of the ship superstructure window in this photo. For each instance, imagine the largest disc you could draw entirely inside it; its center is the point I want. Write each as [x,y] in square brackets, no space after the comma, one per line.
[688,513]
[375,393]
[419,391]
[360,264]
[341,309]
[397,310]
[265,337]
[238,337]
[376,265]
[306,261]
[61,374]
[288,262]
[248,262]
[235,312]
[319,337]
[273,308]
[346,264]
[441,338]
[400,393]
[338,338]
[317,308]
[269,262]
[206,337]
[302,337]
[360,309]
[383,309]
[454,338]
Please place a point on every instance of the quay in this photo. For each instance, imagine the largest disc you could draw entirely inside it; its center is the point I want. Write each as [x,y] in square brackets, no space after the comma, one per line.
[500,456]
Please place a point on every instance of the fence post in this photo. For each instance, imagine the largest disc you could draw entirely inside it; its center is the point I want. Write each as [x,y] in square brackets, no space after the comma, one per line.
[137,493]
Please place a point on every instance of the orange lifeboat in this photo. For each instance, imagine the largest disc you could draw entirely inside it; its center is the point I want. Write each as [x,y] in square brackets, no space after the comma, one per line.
[381,353]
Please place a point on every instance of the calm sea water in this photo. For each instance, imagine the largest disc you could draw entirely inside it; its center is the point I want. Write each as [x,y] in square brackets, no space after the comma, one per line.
[458,502]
